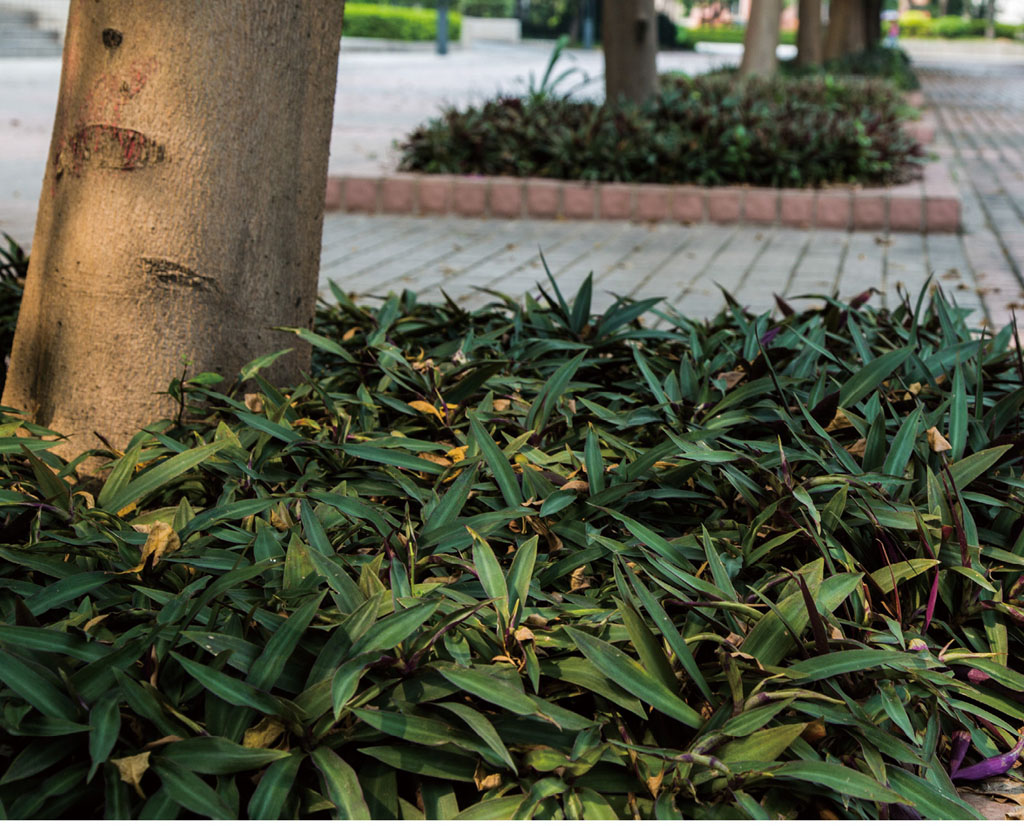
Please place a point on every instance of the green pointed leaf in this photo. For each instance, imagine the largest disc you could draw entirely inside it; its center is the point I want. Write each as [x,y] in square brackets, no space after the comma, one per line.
[152,479]
[619,668]
[268,800]
[216,755]
[190,792]
[341,786]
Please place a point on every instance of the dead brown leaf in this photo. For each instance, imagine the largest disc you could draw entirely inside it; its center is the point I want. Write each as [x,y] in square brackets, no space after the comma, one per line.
[937,441]
[264,734]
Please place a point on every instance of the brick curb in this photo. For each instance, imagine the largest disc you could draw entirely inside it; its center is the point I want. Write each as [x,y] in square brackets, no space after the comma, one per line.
[931,205]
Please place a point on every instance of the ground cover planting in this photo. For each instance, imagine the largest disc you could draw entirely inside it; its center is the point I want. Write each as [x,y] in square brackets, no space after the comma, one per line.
[531,561]
[782,132]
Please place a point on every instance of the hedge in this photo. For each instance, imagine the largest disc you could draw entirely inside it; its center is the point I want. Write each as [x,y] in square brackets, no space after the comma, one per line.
[918,24]
[788,132]
[721,34]
[396,23]
[471,8]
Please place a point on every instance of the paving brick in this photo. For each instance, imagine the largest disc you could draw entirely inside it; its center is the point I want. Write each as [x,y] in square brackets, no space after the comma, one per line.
[833,209]
[333,198]
[870,208]
[469,196]
[942,214]
[725,204]
[361,194]
[436,194]
[542,197]
[796,208]
[760,205]
[506,197]
[905,212]
[688,204]
[579,201]
[653,202]
[615,201]
[398,194]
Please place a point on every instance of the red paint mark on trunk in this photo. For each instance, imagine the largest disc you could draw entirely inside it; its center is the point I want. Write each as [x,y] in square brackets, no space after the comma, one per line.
[104,146]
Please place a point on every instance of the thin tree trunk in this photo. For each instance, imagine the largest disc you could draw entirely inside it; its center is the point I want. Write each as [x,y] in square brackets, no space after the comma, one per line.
[761,39]
[808,35]
[629,34]
[182,206]
[990,19]
[872,23]
[845,29]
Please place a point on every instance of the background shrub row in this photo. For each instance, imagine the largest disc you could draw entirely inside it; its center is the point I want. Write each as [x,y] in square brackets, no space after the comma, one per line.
[706,130]
[396,23]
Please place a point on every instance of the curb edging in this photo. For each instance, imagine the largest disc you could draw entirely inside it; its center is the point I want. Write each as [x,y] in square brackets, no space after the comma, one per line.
[930,205]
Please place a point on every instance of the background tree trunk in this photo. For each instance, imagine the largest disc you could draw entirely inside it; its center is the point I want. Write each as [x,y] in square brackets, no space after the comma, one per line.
[808,34]
[182,205]
[629,34]
[872,23]
[761,38]
[845,29]
[990,19]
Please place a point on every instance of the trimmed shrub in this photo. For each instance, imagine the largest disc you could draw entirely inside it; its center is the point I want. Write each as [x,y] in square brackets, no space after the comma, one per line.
[687,38]
[539,563]
[886,63]
[396,23]
[488,8]
[919,24]
[706,130]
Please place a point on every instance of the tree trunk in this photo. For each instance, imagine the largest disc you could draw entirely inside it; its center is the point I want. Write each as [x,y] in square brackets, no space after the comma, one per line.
[872,23]
[808,34]
[761,39]
[990,19]
[845,29]
[182,206]
[630,40]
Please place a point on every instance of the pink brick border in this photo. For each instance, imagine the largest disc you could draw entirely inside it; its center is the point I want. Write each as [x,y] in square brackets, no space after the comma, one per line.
[930,206]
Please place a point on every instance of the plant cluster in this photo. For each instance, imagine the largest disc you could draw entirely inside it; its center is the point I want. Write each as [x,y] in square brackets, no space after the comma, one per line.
[915,23]
[369,19]
[534,562]
[688,38]
[706,130]
[889,64]
[13,269]
[473,8]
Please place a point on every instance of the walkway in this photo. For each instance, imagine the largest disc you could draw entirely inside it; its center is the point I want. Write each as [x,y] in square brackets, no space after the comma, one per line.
[980,109]
[981,115]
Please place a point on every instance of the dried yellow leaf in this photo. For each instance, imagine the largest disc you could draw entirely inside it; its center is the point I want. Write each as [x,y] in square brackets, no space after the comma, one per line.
[132,768]
[575,486]
[254,402]
[732,378]
[264,734]
[577,580]
[279,517]
[858,448]
[92,622]
[524,634]
[426,408]
[936,441]
[433,458]
[486,781]
[838,422]
[501,405]
[457,454]
[162,539]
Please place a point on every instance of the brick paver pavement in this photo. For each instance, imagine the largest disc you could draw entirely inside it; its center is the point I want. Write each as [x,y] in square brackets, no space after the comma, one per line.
[979,106]
[980,110]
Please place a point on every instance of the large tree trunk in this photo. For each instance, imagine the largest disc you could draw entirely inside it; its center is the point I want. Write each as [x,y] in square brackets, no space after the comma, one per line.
[182,205]
[845,29]
[808,35]
[761,39]
[630,39]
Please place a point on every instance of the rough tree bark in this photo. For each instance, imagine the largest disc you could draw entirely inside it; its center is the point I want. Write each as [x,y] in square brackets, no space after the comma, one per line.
[630,39]
[809,34]
[845,29]
[761,39]
[182,205]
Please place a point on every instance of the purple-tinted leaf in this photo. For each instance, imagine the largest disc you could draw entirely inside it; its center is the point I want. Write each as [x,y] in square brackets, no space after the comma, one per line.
[993,766]
[961,741]
[769,337]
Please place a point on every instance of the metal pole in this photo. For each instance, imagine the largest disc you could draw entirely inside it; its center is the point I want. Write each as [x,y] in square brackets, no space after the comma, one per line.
[588,24]
[442,27]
